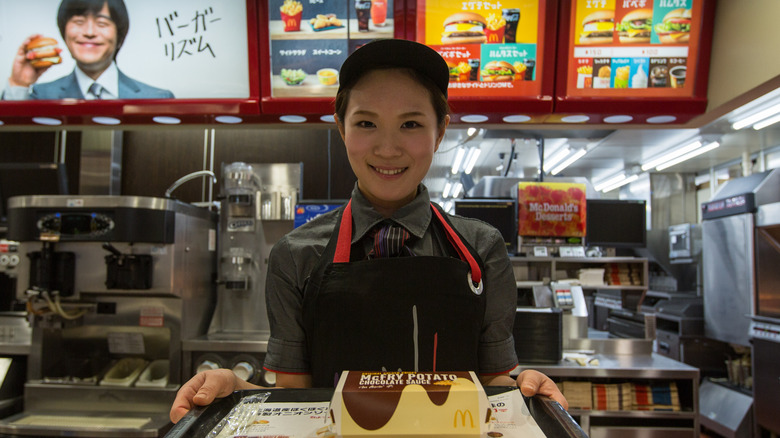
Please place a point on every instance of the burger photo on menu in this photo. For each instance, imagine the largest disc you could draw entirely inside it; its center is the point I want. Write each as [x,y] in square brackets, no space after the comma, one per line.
[498,71]
[675,27]
[43,52]
[464,28]
[635,27]
[598,27]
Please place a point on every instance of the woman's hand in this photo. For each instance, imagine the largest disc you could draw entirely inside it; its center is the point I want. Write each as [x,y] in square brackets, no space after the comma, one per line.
[203,388]
[533,382]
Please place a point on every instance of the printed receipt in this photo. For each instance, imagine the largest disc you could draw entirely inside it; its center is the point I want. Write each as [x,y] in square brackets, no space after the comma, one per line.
[511,419]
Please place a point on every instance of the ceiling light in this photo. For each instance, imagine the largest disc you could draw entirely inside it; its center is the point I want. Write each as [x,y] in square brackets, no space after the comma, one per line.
[106,120]
[618,119]
[471,131]
[230,120]
[610,181]
[767,122]
[166,120]
[620,183]
[472,160]
[2,123]
[456,190]
[292,119]
[661,119]
[575,119]
[756,117]
[688,156]
[518,118]
[676,152]
[447,188]
[556,157]
[328,118]
[47,121]
[567,162]
[458,159]
[474,118]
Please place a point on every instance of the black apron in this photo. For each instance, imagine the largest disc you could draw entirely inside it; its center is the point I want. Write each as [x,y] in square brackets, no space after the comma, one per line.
[421,313]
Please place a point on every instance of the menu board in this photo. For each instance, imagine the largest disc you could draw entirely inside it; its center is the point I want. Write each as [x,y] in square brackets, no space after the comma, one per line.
[493,48]
[551,209]
[633,48]
[310,39]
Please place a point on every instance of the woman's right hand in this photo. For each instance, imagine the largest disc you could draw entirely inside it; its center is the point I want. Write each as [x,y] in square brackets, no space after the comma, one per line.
[203,388]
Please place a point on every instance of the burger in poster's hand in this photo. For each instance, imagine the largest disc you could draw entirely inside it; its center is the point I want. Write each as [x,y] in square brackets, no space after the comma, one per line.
[635,27]
[498,71]
[464,28]
[43,52]
[675,27]
[597,28]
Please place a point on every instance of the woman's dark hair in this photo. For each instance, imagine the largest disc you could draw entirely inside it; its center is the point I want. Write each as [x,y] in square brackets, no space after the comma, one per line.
[438,99]
[117,9]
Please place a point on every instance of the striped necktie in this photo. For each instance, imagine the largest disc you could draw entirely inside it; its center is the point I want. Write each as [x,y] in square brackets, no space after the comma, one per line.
[389,240]
[96,90]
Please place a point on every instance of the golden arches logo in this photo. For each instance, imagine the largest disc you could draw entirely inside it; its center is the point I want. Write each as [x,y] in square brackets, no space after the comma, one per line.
[493,38]
[292,22]
[463,415]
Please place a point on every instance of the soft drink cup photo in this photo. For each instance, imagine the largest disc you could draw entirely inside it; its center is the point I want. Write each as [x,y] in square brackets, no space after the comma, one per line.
[363,11]
[379,12]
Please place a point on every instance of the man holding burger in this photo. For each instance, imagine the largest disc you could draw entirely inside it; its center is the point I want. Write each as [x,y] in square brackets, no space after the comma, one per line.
[94,31]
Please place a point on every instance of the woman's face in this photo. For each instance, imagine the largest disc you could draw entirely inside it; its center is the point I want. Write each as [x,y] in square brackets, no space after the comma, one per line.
[391,133]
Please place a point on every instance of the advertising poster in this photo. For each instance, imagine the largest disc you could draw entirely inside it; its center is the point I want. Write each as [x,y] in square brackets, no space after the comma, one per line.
[171,49]
[310,39]
[633,48]
[551,209]
[491,47]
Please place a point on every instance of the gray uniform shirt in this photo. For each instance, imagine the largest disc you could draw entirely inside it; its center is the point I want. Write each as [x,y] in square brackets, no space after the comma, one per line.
[294,257]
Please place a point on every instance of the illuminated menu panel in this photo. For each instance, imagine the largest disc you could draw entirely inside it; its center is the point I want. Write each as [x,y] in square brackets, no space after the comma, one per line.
[310,39]
[633,48]
[494,48]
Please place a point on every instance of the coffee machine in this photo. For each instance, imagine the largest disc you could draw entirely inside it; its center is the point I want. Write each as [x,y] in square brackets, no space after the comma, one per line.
[113,285]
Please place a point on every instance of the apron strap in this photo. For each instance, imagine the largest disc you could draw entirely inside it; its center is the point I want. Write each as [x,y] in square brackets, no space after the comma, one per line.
[343,246]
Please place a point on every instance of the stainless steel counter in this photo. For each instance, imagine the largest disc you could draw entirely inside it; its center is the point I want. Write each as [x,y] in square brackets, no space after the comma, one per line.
[651,366]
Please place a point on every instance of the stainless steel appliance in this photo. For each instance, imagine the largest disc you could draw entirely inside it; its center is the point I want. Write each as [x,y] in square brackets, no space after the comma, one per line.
[114,284]
[765,327]
[258,203]
[728,259]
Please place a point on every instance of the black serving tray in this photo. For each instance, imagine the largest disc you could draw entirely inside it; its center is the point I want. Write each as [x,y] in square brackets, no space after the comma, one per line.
[552,419]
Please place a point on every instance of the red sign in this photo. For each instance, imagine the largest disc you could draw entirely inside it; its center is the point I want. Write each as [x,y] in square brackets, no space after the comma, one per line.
[551,209]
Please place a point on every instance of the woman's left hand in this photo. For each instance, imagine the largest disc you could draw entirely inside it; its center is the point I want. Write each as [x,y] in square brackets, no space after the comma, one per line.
[532,382]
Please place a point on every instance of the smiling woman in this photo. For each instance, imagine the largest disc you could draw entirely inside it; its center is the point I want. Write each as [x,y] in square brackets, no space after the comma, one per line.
[338,296]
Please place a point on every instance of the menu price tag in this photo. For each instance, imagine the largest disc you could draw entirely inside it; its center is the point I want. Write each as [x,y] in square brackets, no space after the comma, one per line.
[540,251]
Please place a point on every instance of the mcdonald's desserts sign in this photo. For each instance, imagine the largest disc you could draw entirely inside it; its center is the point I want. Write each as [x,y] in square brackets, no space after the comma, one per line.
[551,209]
[395,404]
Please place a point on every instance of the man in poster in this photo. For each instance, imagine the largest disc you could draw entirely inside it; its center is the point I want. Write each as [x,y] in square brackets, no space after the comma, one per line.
[94,31]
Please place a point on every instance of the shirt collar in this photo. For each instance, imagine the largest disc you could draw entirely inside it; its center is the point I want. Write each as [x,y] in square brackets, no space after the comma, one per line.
[414,216]
[109,80]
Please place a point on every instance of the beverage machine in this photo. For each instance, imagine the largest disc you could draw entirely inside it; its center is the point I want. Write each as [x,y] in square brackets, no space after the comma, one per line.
[113,286]
[257,209]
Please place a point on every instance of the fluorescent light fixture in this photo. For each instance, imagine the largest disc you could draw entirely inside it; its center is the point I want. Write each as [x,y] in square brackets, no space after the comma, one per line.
[556,157]
[472,160]
[448,206]
[671,155]
[457,189]
[620,183]
[447,188]
[471,131]
[756,117]
[610,181]
[459,155]
[567,162]
[767,122]
[708,147]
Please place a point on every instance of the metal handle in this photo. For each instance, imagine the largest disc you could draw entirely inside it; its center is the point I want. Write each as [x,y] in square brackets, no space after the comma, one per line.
[188,177]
